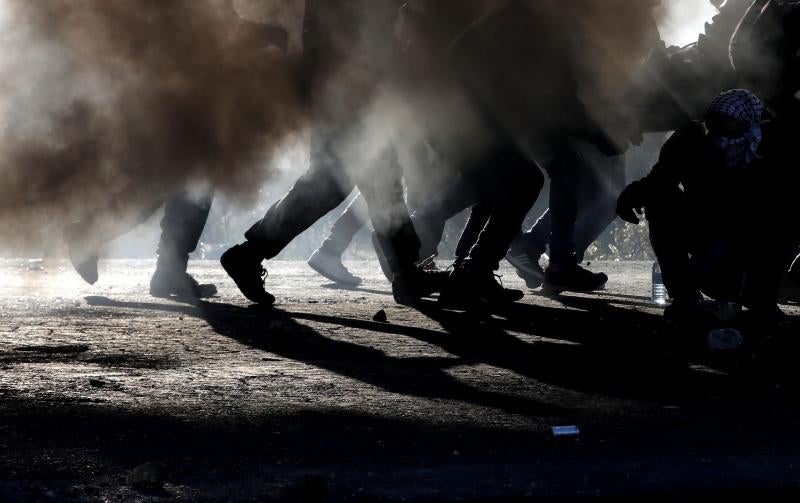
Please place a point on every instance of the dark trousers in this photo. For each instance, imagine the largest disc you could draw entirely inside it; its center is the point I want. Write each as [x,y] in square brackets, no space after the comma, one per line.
[181,227]
[325,185]
[694,256]
[423,177]
[500,186]
[584,188]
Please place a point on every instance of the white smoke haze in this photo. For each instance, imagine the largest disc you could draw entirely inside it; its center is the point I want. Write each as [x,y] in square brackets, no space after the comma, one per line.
[108,106]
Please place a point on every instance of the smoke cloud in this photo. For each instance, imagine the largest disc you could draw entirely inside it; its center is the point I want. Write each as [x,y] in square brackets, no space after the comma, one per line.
[108,106]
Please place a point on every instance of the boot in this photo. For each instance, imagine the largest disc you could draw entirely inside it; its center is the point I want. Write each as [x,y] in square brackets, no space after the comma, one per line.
[243,265]
[470,287]
[566,275]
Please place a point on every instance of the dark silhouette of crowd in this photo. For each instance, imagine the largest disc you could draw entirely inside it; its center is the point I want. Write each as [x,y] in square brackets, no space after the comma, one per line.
[504,94]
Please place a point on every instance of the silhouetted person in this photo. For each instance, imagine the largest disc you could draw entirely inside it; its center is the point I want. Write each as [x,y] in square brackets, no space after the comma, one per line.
[348,47]
[766,56]
[185,214]
[697,198]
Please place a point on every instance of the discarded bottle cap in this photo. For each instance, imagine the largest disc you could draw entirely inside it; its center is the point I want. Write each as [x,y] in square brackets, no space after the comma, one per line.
[724,339]
[565,431]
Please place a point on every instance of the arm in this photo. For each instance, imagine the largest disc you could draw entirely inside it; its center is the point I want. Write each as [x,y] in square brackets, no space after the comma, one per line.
[677,156]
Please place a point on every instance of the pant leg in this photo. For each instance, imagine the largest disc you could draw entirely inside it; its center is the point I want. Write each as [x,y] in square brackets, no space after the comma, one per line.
[478,218]
[184,219]
[352,220]
[432,216]
[510,184]
[564,171]
[319,190]
[603,182]
[534,240]
[667,214]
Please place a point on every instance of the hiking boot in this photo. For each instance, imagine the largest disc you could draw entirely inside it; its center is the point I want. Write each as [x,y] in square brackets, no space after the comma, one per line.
[411,285]
[469,289]
[169,283]
[330,266]
[527,268]
[572,277]
[245,269]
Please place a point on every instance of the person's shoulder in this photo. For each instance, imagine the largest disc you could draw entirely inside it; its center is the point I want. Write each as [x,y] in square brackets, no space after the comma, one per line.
[691,131]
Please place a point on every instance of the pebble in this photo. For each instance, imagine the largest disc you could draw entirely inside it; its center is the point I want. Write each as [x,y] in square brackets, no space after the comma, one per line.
[380,317]
[148,475]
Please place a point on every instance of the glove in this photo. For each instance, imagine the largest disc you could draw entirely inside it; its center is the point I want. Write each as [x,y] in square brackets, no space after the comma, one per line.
[631,202]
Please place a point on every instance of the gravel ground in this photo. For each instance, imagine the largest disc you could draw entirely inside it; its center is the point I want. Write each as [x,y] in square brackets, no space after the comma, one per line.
[314,401]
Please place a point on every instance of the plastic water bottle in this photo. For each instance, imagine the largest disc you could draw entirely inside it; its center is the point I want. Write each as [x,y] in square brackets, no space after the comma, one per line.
[659,292]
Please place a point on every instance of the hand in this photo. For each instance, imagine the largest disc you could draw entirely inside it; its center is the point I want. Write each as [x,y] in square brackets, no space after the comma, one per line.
[630,204]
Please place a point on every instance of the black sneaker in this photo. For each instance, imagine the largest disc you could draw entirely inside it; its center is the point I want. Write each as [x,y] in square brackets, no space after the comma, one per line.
[572,278]
[467,289]
[411,285]
[245,269]
[527,268]
[168,284]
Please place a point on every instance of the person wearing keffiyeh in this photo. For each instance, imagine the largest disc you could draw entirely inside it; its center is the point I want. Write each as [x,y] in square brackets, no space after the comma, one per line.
[745,108]
[697,199]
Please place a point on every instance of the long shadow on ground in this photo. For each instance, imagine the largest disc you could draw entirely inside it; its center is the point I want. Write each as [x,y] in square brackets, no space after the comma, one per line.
[277,332]
[591,347]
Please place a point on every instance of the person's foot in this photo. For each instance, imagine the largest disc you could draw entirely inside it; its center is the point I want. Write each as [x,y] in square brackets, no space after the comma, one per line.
[571,277]
[167,284]
[330,266]
[83,257]
[468,289]
[245,269]
[689,309]
[765,314]
[412,284]
[528,268]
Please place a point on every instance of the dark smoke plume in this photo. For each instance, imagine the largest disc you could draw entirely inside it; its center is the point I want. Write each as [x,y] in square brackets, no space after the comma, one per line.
[110,105]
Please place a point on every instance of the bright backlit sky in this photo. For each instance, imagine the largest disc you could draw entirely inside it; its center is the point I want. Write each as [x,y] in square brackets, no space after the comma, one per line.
[685,20]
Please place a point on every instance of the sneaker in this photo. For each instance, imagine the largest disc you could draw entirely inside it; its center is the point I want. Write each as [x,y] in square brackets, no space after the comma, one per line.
[330,266]
[467,289]
[572,278]
[527,268]
[411,285]
[167,284]
[244,267]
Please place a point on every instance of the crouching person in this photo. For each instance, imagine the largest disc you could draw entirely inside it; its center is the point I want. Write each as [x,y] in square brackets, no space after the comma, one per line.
[698,198]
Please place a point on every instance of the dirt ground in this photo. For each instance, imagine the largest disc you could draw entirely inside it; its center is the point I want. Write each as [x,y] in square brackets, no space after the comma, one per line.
[314,401]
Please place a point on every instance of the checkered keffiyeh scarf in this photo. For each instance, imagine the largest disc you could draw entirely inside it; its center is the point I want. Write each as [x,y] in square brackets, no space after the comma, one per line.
[746,108]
